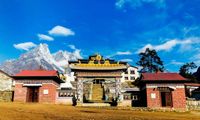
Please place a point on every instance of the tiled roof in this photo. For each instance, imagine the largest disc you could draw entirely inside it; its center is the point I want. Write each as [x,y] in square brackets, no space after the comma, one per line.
[37,73]
[162,77]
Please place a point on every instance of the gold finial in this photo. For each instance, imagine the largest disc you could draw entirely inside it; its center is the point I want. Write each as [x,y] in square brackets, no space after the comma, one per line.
[98,57]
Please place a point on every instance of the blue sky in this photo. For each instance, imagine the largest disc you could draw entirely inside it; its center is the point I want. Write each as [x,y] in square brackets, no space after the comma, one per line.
[114,28]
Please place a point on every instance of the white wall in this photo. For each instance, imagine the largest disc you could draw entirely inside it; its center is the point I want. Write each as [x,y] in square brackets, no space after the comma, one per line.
[5,82]
[129,75]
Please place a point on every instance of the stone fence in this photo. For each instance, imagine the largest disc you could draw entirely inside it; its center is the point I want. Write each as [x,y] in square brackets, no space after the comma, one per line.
[193,104]
[6,96]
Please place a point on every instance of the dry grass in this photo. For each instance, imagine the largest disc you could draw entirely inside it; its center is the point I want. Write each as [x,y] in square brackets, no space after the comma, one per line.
[20,111]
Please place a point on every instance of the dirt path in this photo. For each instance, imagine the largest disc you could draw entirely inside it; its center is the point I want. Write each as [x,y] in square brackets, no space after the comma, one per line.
[19,111]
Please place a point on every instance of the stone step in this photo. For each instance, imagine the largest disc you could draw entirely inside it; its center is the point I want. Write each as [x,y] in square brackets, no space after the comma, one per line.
[97,101]
[97,92]
[94,104]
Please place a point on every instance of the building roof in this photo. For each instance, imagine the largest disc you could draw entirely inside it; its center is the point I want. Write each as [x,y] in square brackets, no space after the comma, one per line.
[162,77]
[97,62]
[35,74]
[32,73]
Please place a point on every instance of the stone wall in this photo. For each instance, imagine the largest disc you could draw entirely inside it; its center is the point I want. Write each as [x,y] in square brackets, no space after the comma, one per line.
[6,96]
[193,104]
[6,90]
[64,100]
[5,82]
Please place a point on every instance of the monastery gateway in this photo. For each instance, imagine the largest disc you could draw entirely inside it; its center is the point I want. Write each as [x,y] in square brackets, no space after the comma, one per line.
[101,82]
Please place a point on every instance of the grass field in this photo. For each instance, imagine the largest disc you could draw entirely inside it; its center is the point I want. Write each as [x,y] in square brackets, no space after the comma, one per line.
[20,111]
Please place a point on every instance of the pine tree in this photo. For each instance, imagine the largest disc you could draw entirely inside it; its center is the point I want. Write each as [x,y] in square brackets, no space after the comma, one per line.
[185,70]
[150,61]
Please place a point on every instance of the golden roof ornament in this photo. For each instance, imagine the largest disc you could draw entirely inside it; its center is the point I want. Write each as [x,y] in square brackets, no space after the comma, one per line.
[107,62]
[98,57]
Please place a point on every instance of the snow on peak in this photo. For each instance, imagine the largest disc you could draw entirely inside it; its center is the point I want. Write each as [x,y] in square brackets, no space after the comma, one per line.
[38,57]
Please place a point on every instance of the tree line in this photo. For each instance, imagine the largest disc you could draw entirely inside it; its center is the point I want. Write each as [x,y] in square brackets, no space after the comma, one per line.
[151,63]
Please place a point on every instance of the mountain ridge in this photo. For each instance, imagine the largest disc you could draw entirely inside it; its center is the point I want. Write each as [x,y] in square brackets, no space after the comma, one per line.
[40,57]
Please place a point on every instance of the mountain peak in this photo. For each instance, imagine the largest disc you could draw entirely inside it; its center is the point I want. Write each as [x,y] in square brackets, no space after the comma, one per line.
[43,48]
[37,57]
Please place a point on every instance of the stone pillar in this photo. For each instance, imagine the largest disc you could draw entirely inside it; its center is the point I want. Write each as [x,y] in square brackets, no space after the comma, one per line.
[79,90]
[118,89]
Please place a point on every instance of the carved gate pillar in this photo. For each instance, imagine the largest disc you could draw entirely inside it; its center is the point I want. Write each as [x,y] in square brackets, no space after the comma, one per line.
[79,90]
[118,93]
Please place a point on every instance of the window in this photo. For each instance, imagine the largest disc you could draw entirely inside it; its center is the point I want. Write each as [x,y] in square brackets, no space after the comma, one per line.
[126,78]
[134,97]
[127,97]
[132,72]
[132,78]
[126,72]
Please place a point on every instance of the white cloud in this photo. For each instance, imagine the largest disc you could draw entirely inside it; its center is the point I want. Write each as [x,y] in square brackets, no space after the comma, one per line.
[77,53]
[45,37]
[196,58]
[61,31]
[25,46]
[126,60]
[144,48]
[174,62]
[72,47]
[119,53]
[169,45]
[123,53]
[138,3]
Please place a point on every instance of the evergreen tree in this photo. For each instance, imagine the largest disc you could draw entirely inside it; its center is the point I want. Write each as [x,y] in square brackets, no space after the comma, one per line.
[185,70]
[150,61]
[197,75]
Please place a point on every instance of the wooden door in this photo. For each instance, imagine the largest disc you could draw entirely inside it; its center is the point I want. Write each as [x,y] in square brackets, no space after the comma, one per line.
[32,94]
[166,99]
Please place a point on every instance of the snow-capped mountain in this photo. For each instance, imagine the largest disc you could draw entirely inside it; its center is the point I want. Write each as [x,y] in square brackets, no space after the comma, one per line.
[40,58]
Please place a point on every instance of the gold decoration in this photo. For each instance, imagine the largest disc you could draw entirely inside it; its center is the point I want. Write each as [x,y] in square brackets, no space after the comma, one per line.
[98,57]
[93,58]
[107,62]
[91,62]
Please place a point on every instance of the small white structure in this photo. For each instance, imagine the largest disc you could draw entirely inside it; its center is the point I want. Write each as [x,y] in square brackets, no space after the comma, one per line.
[130,75]
[66,90]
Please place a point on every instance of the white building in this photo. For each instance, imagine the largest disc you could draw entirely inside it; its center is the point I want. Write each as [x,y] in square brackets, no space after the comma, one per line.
[130,75]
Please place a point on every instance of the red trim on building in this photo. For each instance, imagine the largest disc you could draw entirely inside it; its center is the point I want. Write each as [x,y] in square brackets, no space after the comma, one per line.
[37,73]
[193,84]
[162,77]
